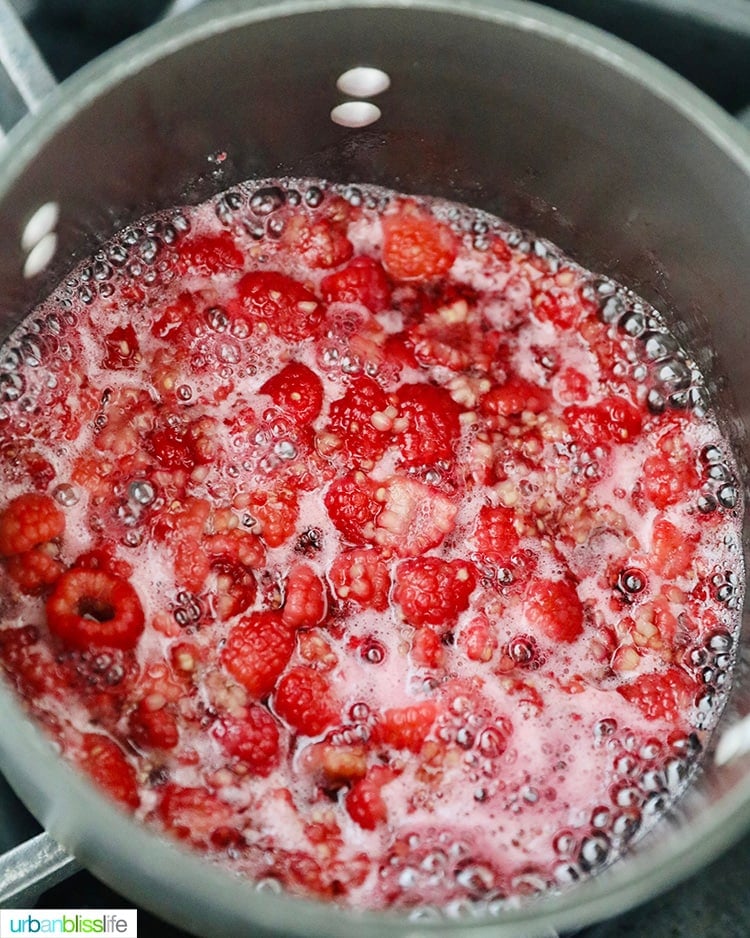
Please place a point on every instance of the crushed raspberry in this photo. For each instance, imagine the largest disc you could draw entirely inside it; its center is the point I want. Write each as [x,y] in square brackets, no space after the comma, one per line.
[106,764]
[670,473]
[153,725]
[252,739]
[211,254]
[304,699]
[361,576]
[192,814]
[297,391]
[671,552]
[662,695]
[257,651]
[415,245]
[362,281]
[305,600]
[432,591]
[432,428]
[414,517]
[94,609]
[554,607]
[427,649]
[28,521]
[285,306]
[322,243]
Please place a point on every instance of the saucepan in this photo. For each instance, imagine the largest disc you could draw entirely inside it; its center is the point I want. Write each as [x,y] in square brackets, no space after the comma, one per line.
[504,105]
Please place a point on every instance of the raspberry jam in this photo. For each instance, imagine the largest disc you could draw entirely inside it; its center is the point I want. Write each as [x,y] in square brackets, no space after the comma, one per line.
[366,545]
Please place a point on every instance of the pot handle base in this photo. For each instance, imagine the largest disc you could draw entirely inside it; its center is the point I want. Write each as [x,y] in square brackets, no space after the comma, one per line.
[32,867]
[25,79]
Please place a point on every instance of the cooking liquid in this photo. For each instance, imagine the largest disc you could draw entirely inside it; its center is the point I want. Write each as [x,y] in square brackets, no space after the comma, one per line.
[133,398]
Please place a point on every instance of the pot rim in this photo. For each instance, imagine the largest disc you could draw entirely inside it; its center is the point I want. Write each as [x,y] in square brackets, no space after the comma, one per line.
[38,774]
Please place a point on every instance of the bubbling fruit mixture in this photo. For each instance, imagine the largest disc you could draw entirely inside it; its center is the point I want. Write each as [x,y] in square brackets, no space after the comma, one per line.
[364,544]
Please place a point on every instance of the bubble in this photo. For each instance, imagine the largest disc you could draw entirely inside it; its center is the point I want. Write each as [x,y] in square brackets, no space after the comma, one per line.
[594,851]
[605,728]
[267,200]
[217,319]
[626,824]
[142,492]
[314,196]
[727,496]
[66,495]
[631,581]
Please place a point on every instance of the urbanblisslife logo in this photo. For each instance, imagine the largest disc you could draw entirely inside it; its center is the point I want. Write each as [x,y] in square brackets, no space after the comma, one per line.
[73,923]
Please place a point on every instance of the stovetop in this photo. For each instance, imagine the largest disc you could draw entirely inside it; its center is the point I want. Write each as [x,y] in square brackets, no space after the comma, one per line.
[707,41]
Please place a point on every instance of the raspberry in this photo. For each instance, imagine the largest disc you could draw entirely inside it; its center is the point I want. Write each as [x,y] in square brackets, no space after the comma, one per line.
[94,609]
[416,246]
[232,588]
[28,662]
[211,254]
[254,740]
[276,513]
[350,502]
[305,701]
[662,695]
[298,391]
[354,420]
[361,576]
[152,725]
[406,727]
[554,607]
[564,308]
[670,475]
[415,517]
[478,639]
[671,549]
[287,307]
[432,591]
[427,649]
[515,397]
[27,521]
[257,650]
[364,800]
[105,763]
[362,281]
[181,527]
[322,243]
[495,533]
[192,814]
[35,569]
[122,349]
[432,427]
[171,448]
[612,420]
[305,603]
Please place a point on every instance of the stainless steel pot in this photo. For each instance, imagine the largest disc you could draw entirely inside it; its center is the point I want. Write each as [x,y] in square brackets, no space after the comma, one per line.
[504,105]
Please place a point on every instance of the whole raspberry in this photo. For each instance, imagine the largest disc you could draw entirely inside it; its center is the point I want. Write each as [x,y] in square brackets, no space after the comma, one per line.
[553,607]
[106,764]
[257,650]
[253,740]
[305,603]
[364,800]
[406,727]
[28,521]
[305,701]
[95,609]
[432,591]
